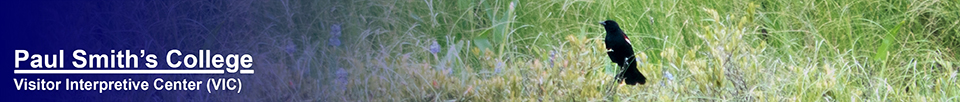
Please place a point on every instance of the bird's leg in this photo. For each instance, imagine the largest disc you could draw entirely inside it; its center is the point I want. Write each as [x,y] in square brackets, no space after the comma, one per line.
[622,82]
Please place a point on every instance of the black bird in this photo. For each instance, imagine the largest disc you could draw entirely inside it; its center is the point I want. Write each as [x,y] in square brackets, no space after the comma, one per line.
[621,52]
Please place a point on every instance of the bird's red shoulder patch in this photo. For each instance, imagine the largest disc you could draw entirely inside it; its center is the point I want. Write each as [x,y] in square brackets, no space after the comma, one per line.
[627,39]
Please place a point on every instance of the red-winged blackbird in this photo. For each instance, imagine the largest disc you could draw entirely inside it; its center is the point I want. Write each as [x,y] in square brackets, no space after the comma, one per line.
[621,52]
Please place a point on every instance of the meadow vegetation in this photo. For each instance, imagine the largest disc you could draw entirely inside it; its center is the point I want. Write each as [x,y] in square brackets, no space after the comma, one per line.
[552,50]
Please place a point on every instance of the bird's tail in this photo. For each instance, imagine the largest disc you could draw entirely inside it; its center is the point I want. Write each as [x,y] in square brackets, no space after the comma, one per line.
[630,74]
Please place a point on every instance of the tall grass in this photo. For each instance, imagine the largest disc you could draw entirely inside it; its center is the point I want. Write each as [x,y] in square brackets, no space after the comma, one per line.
[548,50]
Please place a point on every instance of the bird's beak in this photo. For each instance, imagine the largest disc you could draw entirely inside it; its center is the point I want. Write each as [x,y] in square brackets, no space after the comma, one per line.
[603,23]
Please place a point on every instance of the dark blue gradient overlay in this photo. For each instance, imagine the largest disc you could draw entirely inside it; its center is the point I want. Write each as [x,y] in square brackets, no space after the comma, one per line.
[43,27]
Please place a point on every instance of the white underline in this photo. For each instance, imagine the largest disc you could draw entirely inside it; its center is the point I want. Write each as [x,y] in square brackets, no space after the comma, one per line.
[246,71]
[126,71]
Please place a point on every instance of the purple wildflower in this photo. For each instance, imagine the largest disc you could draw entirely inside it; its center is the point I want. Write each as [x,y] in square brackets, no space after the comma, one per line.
[435,47]
[342,76]
[498,67]
[291,47]
[335,30]
[553,55]
[334,41]
[335,33]
[668,76]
